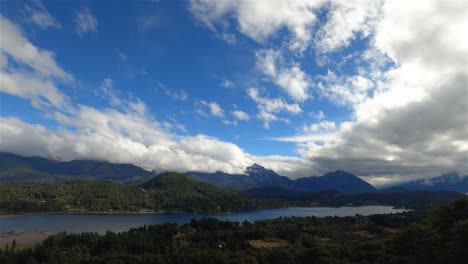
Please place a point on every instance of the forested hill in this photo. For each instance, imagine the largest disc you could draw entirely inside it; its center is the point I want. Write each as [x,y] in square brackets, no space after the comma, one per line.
[168,192]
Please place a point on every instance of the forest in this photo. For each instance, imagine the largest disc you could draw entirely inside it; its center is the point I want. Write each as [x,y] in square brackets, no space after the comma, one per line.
[436,236]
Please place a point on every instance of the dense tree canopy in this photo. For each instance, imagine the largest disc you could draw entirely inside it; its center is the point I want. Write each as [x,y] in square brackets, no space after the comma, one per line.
[440,237]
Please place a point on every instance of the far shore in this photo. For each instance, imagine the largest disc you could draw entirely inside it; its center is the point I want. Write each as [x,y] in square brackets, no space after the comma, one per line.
[182,212]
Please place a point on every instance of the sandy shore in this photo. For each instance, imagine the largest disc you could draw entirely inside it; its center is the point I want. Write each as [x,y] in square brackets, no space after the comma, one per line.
[26,239]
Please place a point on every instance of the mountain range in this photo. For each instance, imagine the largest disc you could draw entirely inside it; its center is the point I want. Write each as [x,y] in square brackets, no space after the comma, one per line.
[18,168]
[450,182]
[36,169]
[257,176]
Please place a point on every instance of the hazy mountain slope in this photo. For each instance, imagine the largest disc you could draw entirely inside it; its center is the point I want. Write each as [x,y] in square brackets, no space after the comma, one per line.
[18,168]
[257,176]
[450,182]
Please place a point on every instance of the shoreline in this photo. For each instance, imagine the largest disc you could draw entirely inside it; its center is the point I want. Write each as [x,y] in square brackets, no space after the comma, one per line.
[188,213]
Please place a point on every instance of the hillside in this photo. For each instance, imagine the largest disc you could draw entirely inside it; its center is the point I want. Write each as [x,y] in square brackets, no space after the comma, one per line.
[18,168]
[168,192]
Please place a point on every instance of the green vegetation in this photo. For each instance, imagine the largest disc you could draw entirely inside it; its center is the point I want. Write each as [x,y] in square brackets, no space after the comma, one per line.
[168,192]
[441,237]
[417,200]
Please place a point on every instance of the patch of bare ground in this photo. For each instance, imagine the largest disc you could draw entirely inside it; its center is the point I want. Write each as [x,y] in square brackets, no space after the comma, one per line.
[268,243]
[26,239]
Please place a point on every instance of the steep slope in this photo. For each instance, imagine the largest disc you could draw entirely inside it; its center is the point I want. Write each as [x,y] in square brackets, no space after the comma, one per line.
[18,168]
[265,177]
[449,181]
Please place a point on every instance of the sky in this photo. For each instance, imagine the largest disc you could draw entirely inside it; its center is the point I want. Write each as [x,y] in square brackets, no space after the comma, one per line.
[376,88]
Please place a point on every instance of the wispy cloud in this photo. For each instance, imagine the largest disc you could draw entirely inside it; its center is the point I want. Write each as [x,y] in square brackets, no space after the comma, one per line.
[36,13]
[85,21]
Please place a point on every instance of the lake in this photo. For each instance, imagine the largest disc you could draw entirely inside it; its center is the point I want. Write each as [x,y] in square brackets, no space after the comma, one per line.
[76,223]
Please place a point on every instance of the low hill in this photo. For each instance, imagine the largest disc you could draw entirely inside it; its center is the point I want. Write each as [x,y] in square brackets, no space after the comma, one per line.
[18,168]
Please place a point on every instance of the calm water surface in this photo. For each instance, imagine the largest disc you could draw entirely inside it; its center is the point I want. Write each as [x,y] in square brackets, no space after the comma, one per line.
[52,223]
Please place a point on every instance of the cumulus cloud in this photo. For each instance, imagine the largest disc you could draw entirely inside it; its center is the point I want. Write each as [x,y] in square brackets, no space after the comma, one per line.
[124,137]
[290,78]
[345,21]
[343,89]
[36,13]
[205,109]
[34,73]
[241,115]
[262,19]
[269,107]
[85,21]
[414,123]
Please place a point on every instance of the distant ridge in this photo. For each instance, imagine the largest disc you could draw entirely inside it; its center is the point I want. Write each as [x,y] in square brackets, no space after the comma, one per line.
[17,168]
[447,182]
[257,176]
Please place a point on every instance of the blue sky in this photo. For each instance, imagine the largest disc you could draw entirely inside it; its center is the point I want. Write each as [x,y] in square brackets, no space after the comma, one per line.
[289,84]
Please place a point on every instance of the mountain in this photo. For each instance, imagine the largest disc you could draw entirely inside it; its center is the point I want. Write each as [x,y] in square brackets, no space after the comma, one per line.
[339,181]
[175,190]
[450,182]
[265,177]
[18,168]
[257,176]
[224,180]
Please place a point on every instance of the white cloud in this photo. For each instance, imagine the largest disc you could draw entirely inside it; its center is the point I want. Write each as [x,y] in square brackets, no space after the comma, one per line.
[321,126]
[124,137]
[406,128]
[345,21]
[344,90]
[35,72]
[240,115]
[180,95]
[17,46]
[213,108]
[269,107]
[290,78]
[262,19]
[85,21]
[36,13]
[227,84]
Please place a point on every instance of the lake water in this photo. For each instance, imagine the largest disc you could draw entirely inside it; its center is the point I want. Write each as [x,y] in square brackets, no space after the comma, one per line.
[76,223]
